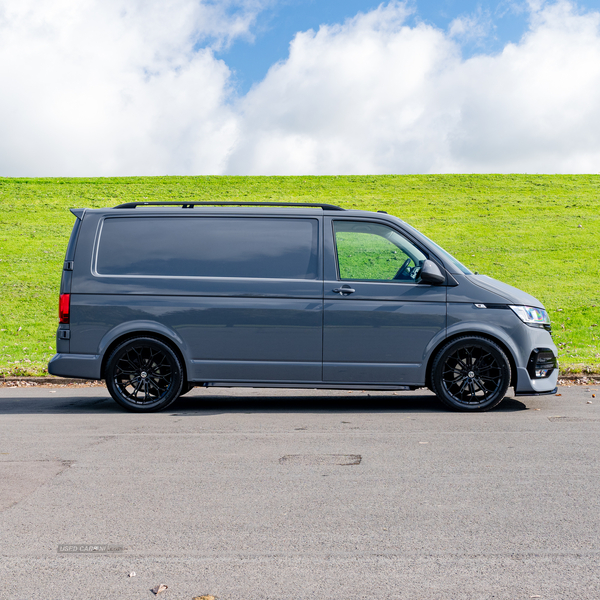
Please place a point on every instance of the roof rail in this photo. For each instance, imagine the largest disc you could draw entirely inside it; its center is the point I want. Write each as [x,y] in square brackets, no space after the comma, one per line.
[192,204]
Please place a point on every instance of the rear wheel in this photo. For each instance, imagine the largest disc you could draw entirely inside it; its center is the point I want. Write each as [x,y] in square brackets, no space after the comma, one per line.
[144,375]
[471,374]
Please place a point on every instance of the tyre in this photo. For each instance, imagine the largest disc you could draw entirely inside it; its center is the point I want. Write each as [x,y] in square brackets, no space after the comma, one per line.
[470,374]
[144,375]
[187,387]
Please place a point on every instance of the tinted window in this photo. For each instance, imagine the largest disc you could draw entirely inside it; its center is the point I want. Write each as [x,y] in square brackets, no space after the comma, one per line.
[209,247]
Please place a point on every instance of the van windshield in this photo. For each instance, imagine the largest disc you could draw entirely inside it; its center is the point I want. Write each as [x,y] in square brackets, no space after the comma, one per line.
[442,252]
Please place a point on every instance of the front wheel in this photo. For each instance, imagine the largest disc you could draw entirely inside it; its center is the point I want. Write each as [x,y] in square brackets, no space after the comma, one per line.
[470,374]
[187,387]
[144,375]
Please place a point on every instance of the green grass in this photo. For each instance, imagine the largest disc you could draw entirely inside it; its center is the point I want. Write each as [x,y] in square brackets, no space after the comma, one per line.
[521,229]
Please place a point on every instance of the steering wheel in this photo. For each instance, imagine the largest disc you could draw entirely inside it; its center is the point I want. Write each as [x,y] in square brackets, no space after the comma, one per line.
[402,269]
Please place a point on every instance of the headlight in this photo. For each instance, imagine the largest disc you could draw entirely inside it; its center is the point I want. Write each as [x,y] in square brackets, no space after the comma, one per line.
[536,317]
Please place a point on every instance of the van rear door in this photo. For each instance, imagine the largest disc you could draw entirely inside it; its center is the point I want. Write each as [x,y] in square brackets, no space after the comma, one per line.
[63,334]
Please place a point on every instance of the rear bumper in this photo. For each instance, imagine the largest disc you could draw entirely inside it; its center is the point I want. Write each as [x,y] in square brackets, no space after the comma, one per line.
[84,366]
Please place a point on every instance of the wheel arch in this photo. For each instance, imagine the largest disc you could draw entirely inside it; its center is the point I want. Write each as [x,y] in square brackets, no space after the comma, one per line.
[505,348]
[130,335]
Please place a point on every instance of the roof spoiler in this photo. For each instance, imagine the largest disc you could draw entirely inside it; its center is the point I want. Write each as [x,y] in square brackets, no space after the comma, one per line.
[78,212]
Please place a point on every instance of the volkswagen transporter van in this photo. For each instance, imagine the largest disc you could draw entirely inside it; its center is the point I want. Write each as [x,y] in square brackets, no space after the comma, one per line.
[158,297]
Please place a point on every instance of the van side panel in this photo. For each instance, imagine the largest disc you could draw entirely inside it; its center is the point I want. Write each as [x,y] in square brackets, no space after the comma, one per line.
[219,334]
[232,328]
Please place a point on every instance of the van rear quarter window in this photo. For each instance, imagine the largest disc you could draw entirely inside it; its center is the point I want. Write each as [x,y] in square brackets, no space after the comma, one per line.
[208,247]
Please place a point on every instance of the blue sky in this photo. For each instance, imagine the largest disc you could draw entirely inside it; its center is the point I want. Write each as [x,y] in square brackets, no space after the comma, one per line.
[275,27]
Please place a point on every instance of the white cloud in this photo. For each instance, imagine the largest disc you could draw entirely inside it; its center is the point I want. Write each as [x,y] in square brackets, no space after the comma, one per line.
[362,97]
[475,26]
[125,87]
[101,87]
[533,108]
[376,96]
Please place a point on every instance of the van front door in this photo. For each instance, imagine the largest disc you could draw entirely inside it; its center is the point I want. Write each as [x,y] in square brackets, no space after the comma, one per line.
[379,321]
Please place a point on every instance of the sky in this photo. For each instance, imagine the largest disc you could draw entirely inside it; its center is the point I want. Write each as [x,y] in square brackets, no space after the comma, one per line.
[498,23]
[289,87]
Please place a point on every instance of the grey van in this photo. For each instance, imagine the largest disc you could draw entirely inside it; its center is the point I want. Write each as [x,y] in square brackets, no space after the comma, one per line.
[157,298]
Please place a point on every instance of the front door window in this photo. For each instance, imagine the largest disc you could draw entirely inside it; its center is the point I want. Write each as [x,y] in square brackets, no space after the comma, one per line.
[373,252]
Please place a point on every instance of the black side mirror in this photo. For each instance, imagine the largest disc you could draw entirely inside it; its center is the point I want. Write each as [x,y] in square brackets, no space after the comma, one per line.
[430,273]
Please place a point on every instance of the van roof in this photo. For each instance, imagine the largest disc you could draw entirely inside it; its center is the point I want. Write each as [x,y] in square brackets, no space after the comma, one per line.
[297,208]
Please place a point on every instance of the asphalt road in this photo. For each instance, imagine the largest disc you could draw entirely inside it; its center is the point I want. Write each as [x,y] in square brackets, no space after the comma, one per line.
[294,494]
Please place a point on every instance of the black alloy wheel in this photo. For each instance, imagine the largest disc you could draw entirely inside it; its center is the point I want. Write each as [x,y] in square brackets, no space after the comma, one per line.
[471,374]
[144,375]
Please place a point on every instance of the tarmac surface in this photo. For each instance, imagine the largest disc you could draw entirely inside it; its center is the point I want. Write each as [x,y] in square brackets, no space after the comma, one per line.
[251,494]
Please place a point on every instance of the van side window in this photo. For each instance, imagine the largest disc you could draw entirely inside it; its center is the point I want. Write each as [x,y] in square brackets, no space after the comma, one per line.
[369,251]
[208,247]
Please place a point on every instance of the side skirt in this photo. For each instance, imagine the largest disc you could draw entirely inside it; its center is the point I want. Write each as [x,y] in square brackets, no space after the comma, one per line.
[310,385]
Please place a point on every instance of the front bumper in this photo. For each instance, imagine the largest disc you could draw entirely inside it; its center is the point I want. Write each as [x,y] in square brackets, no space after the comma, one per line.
[537,342]
[526,386]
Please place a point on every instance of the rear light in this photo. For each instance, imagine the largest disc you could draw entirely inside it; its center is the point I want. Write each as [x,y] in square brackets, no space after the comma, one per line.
[64,308]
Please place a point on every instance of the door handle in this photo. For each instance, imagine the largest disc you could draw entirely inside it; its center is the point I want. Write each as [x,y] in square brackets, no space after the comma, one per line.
[344,290]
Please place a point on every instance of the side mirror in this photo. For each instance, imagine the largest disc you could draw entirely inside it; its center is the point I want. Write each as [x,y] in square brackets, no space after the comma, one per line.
[430,273]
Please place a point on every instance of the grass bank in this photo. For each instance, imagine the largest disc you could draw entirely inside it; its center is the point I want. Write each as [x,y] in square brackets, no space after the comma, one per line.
[537,232]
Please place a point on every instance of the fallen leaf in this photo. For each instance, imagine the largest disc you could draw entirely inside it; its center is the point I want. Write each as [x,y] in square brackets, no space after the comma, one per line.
[593,395]
[203,598]
[159,588]
[559,394]
[132,574]
[589,402]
